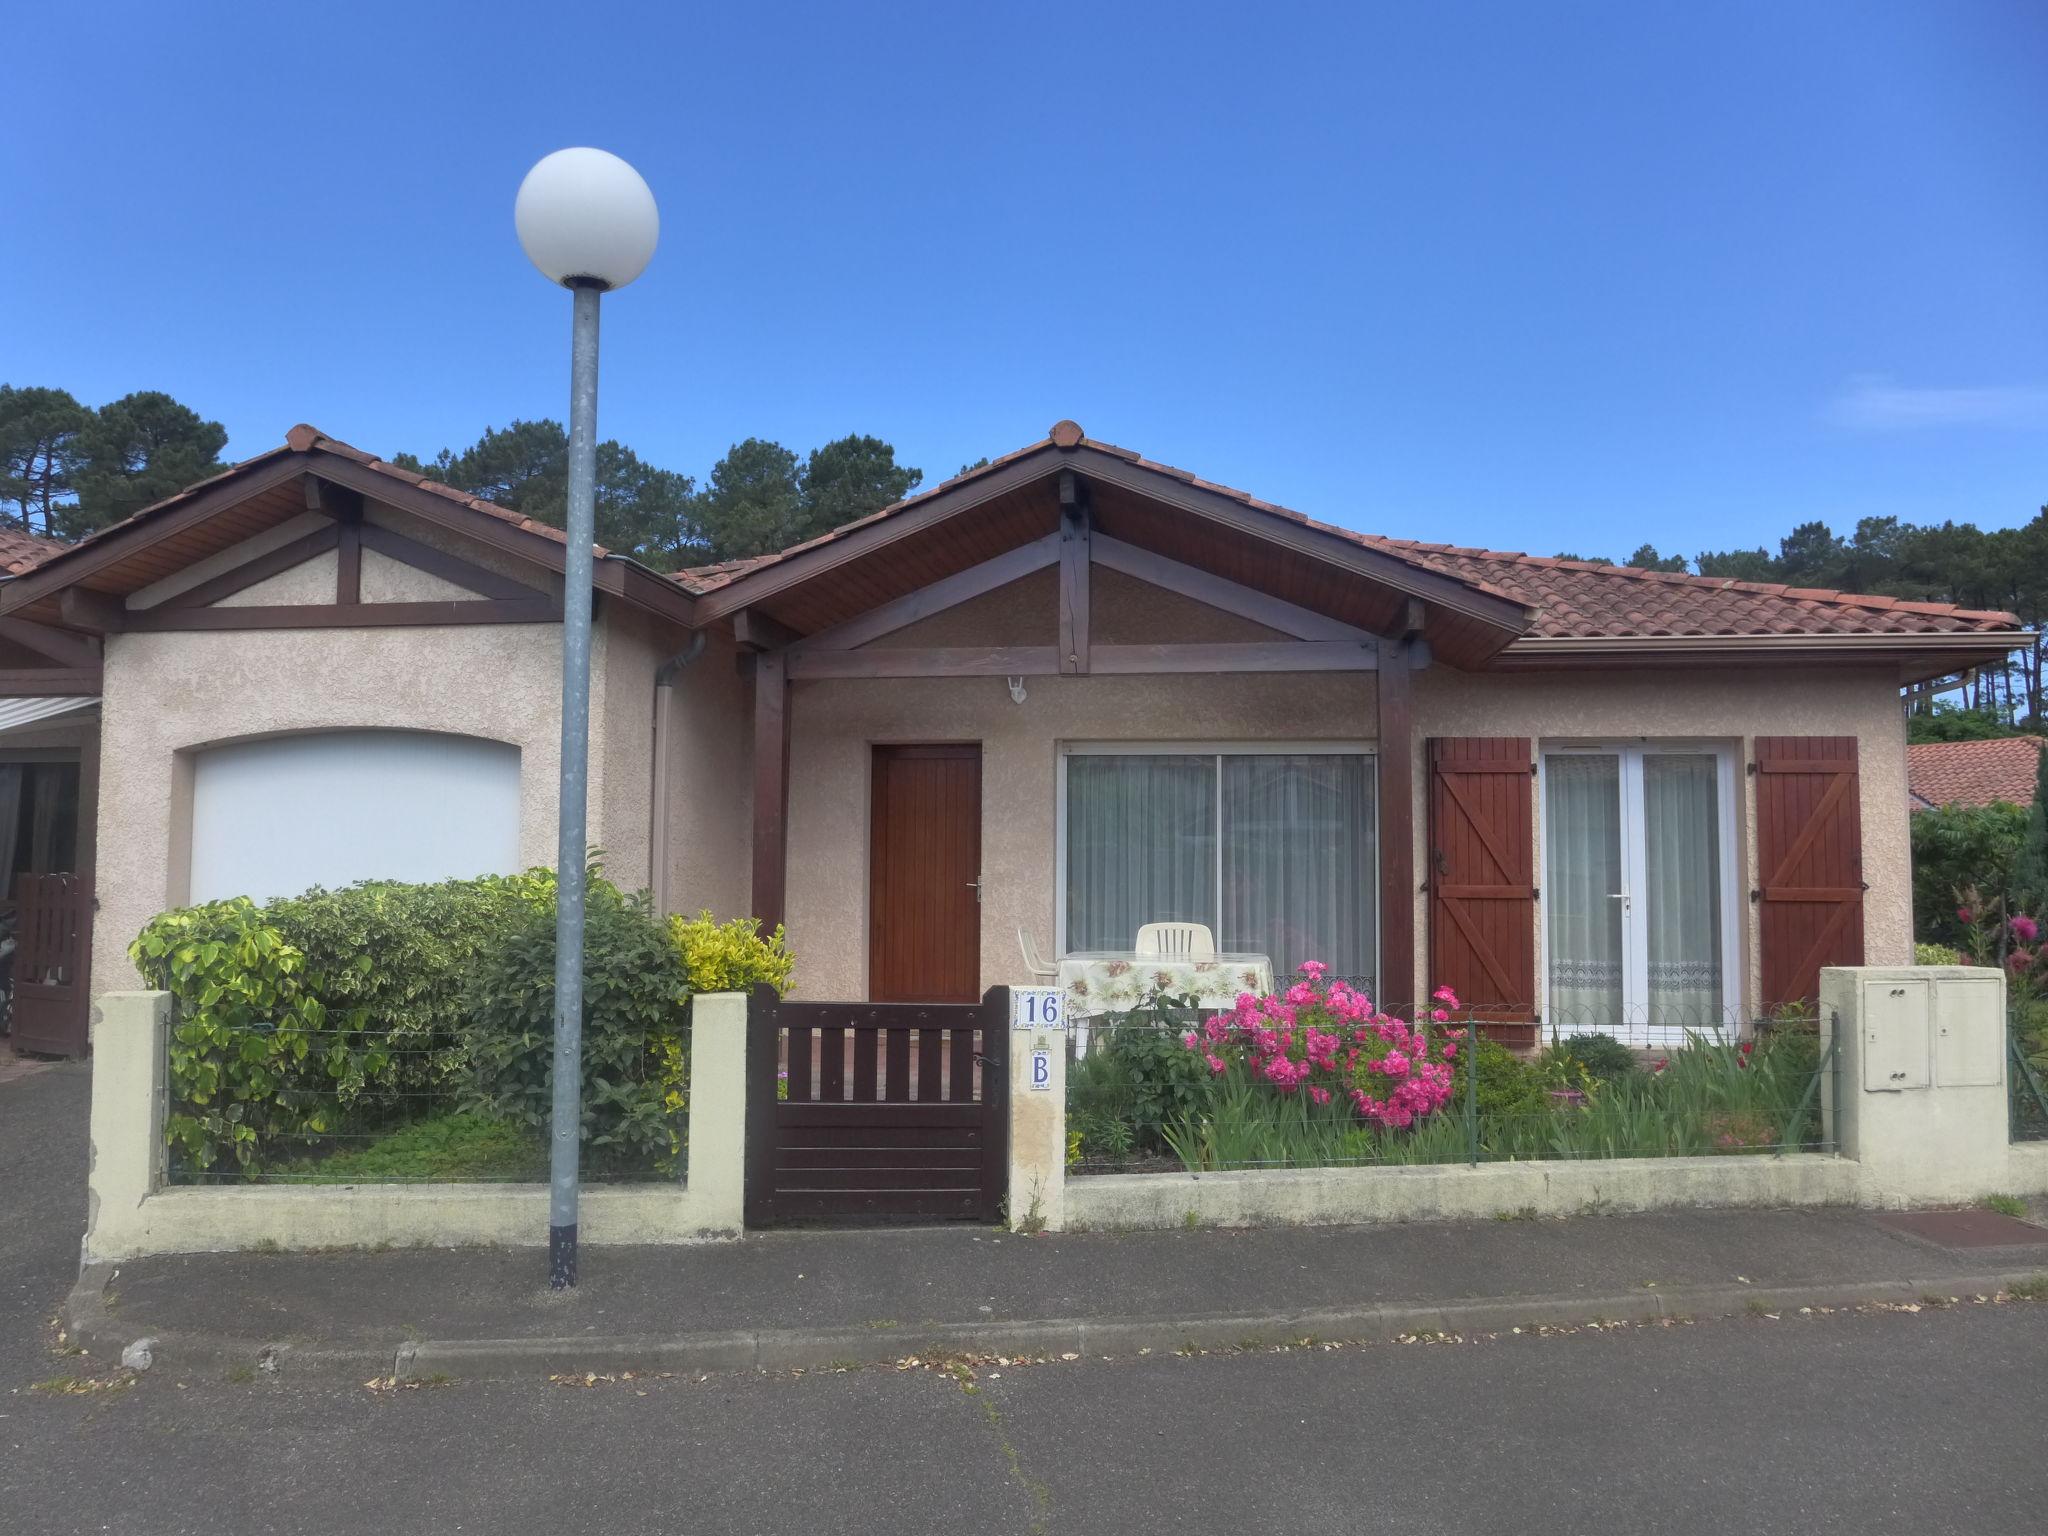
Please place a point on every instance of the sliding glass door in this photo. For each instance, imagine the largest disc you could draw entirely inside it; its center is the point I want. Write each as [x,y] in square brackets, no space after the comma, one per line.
[1274,851]
[1638,910]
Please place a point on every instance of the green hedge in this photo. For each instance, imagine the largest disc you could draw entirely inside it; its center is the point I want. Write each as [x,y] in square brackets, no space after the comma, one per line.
[351,1013]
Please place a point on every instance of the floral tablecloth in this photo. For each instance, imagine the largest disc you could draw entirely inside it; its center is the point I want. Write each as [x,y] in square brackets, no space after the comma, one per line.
[1107,981]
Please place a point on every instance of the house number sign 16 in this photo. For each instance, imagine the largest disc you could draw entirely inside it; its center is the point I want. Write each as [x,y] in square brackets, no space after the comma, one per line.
[1035,1008]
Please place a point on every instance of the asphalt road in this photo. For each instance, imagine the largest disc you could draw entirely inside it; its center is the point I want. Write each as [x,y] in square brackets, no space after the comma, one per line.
[1924,1422]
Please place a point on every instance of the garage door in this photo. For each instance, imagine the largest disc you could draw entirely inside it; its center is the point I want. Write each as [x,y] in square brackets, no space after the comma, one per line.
[272,818]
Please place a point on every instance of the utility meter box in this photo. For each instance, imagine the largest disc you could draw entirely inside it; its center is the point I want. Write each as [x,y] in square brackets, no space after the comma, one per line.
[1896,1022]
[1969,1031]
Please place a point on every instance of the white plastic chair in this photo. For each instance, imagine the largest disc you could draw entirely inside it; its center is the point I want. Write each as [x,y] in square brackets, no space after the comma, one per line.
[1176,941]
[1040,968]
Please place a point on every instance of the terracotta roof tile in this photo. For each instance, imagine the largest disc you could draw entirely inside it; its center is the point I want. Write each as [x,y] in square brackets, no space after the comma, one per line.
[1570,598]
[21,552]
[1973,772]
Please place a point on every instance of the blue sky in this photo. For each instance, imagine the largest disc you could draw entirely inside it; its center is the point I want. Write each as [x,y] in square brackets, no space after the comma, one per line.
[1556,276]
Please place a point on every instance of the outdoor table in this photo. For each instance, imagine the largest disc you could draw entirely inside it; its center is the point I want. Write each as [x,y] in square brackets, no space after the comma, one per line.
[1093,981]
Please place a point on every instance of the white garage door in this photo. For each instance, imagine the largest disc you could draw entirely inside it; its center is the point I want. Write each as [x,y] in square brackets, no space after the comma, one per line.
[271,818]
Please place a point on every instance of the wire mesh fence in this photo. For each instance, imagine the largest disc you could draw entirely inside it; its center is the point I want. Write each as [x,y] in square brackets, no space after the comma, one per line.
[1326,1081]
[281,1104]
[2027,1077]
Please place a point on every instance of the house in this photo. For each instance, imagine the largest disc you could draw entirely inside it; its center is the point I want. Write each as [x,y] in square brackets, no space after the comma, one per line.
[1973,773]
[1065,693]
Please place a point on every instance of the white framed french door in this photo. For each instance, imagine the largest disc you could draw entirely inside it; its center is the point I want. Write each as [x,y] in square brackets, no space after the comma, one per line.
[1641,912]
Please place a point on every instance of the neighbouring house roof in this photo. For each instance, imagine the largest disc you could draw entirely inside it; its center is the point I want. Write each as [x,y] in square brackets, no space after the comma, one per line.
[1570,599]
[24,551]
[1973,773]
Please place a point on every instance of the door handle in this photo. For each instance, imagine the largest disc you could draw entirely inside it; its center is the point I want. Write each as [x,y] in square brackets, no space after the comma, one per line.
[975,886]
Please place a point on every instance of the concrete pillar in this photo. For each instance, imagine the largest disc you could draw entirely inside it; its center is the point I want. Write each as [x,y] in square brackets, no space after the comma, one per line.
[1919,1097]
[718,1109]
[130,1032]
[1038,1130]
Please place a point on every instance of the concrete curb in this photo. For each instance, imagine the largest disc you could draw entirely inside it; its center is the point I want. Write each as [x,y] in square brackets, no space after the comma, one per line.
[98,1329]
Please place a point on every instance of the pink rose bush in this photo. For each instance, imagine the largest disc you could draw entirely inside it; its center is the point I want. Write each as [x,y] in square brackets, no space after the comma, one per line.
[1326,1040]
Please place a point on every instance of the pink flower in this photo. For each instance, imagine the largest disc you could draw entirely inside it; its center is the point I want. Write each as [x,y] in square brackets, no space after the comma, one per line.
[2025,929]
[1450,1050]
[1963,915]
[1445,996]
[1215,1062]
[1314,970]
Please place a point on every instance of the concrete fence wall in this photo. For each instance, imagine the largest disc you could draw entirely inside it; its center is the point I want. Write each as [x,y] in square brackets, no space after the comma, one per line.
[133,1212]
[1918,1110]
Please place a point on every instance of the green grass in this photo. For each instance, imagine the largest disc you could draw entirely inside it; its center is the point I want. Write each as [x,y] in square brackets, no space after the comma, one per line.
[452,1148]
[2005,1205]
[2033,1288]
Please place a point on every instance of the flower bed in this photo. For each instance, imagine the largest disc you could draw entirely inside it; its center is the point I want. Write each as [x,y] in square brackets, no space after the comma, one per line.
[1317,1076]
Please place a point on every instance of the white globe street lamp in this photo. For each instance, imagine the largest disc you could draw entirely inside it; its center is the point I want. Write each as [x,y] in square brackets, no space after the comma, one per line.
[587,220]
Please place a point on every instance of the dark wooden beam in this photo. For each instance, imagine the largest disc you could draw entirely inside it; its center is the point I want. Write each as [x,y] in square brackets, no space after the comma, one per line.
[60,647]
[1510,617]
[341,502]
[925,661]
[1395,737]
[150,528]
[99,612]
[1106,660]
[249,572]
[1411,619]
[934,507]
[48,682]
[348,562]
[530,610]
[1075,528]
[756,631]
[1251,656]
[947,592]
[624,579]
[466,574]
[771,789]
[1221,592]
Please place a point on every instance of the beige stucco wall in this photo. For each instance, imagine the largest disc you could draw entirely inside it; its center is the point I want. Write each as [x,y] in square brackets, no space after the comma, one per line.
[710,784]
[835,723]
[1733,706]
[168,695]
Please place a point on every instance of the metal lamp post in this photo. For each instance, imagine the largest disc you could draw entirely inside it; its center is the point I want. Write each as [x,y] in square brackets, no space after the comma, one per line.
[587,220]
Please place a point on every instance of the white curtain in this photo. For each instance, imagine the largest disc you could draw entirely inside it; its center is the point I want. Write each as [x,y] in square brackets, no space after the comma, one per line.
[1141,846]
[1582,844]
[1299,861]
[1681,903]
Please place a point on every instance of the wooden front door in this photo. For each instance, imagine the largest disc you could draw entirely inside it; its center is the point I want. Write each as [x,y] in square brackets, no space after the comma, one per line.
[924,875]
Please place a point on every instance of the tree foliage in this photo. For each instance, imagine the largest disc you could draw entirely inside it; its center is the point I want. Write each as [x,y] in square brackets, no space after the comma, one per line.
[1956,849]
[66,469]
[641,511]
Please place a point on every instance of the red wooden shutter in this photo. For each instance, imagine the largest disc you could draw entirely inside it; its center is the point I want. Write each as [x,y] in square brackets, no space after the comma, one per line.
[1482,884]
[1809,858]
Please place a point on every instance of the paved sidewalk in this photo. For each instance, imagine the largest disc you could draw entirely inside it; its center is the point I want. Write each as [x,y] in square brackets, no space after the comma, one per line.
[817,1298]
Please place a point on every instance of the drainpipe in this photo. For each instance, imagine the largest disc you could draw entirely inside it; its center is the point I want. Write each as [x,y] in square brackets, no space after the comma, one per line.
[664,690]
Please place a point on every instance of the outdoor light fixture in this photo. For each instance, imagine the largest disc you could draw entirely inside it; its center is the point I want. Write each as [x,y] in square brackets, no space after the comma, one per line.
[587,220]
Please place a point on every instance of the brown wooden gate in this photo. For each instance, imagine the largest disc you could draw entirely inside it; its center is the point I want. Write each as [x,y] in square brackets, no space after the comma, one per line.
[896,1112]
[52,963]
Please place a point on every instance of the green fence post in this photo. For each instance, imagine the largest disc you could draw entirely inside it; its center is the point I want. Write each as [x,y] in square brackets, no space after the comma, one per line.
[1472,1091]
